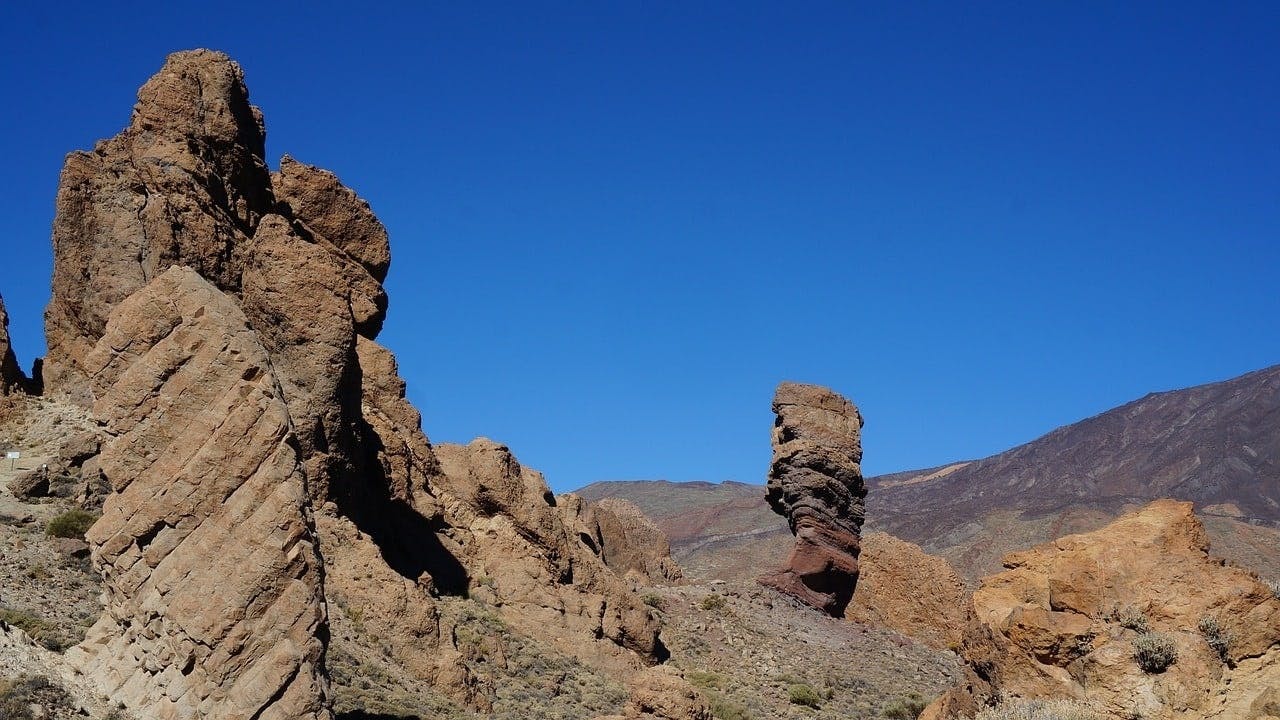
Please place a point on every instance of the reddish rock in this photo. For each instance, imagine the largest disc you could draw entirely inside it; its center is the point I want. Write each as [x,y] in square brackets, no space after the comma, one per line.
[815,481]
[11,377]
[903,588]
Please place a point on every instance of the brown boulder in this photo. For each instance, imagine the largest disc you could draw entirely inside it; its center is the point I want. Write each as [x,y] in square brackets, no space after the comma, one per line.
[211,573]
[815,481]
[903,588]
[1062,620]
[30,484]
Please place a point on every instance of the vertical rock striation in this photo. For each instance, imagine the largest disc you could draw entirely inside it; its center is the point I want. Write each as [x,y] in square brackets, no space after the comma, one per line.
[219,320]
[815,481]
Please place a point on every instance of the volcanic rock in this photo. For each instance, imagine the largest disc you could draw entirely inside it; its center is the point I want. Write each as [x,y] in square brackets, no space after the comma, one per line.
[630,543]
[220,320]
[30,484]
[1063,618]
[815,481]
[211,573]
[11,377]
[903,588]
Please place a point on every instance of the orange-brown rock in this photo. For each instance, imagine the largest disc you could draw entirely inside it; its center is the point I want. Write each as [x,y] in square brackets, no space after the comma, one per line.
[815,481]
[212,578]
[11,377]
[1062,620]
[507,529]
[903,588]
[185,183]
[630,543]
[290,265]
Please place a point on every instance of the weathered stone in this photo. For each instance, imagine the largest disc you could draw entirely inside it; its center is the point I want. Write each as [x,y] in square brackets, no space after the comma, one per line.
[903,588]
[184,183]
[11,377]
[815,481]
[630,543]
[1060,622]
[30,484]
[212,578]
[328,208]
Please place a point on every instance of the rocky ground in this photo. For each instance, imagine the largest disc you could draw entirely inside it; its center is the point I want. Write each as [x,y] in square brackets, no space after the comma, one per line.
[749,649]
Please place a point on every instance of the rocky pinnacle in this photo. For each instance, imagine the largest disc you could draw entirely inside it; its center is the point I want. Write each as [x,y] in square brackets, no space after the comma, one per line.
[815,481]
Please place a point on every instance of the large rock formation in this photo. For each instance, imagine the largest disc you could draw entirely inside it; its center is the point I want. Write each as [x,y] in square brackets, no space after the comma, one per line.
[213,581]
[903,588]
[179,255]
[11,377]
[815,481]
[1064,618]
[629,542]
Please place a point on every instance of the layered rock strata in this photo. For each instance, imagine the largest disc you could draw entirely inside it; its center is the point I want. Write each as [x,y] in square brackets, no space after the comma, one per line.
[269,286]
[209,562]
[1068,618]
[815,481]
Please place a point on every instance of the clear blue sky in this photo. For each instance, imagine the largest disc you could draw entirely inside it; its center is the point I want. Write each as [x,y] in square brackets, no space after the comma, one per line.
[615,226]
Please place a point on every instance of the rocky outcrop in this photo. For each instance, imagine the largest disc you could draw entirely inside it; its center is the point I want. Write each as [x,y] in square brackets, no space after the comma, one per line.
[209,561]
[179,257]
[630,543]
[1065,618]
[903,588]
[11,377]
[529,552]
[815,481]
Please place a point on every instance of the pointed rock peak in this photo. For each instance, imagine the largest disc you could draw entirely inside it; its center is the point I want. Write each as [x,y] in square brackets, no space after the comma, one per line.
[11,376]
[319,199]
[200,94]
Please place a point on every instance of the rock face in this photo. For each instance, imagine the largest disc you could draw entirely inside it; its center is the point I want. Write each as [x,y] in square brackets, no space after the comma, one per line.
[815,481]
[903,588]
[1063,619]
[213,581]
[11,377]
[220,322]
[630,543]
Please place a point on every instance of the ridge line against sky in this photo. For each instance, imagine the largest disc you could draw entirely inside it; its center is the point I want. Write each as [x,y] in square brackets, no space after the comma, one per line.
[615,229]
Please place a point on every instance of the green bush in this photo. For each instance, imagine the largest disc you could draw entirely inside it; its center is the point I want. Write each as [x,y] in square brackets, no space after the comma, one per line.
[802,694]
[714,602]
[653,600]
[905,708]
[1219,639]
[71,524]
[706,680]
[1154,652]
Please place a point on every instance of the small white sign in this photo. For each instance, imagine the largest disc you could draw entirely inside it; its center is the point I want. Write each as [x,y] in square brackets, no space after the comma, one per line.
[13,456]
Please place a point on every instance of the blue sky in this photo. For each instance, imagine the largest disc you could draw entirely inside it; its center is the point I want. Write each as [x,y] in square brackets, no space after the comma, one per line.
[616,226]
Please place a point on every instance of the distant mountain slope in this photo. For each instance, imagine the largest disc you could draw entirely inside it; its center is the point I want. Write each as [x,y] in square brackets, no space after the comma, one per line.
[1216,444]
[719,531]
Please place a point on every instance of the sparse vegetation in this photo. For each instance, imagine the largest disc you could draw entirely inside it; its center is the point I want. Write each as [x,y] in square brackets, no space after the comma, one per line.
[1274,586]
[1039,710]
[802,694]
[1132,618]
[705,680]
[905,708]
[71,524]
[40,630]
[714,602]
[1218,638]
[653,600]
[1154,652]
[27,698]
[725,709]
